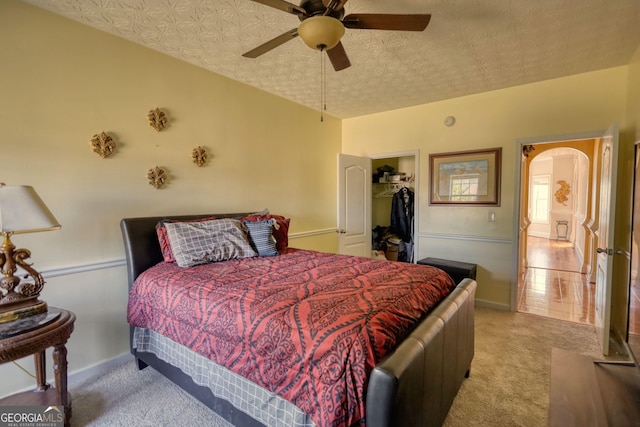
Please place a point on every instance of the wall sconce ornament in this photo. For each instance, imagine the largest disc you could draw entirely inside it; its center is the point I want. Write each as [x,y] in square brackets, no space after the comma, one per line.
[157,177]
[563,192]
[157,119]
[199,156]
[526,149]
[103,144]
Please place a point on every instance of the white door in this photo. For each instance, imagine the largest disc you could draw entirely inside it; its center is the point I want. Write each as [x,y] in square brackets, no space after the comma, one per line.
[354,205]
[605,251]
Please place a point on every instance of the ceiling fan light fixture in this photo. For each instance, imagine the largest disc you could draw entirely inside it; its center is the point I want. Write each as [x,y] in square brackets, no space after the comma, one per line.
[321,32]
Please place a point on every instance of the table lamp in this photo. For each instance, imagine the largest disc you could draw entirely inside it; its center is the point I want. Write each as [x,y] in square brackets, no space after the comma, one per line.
[21,211]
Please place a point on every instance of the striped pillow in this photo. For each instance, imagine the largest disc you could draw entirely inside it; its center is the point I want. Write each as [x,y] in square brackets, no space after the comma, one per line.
[261,234]
[280,229]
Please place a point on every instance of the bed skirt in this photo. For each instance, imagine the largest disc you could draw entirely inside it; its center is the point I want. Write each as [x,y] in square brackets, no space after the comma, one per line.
[255,401]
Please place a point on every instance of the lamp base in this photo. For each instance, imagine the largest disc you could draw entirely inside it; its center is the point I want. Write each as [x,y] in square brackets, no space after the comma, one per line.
[9,315]
[19,300]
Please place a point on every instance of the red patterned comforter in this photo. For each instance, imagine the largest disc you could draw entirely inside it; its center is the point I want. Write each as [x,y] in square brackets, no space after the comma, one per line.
[306,325]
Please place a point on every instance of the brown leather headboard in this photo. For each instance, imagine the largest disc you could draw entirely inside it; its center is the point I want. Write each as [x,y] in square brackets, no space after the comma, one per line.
[141,246]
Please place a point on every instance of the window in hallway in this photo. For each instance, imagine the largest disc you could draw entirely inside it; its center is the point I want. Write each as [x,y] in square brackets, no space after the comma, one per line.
[540,199]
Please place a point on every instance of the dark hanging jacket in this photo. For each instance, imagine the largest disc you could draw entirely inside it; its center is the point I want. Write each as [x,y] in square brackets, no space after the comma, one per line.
[402,214]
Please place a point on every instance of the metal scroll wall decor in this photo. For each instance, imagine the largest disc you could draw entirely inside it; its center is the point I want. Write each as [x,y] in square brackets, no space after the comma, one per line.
[563,192]
[157,119]
[157,177]
[199,156]
[103,145]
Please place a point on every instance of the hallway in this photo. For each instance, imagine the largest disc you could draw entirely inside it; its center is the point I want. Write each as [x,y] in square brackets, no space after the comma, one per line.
[553,286]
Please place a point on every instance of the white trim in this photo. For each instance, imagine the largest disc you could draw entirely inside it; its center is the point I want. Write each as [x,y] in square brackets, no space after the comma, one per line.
[483,239]
[312,233]
[492,305]
[559,138]
[81,268]
[101,265]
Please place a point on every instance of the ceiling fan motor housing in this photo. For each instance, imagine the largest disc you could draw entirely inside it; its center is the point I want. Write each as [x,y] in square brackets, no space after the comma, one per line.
[316,7]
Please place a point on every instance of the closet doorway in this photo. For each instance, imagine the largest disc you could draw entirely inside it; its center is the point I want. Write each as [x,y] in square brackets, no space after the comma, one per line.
[395,205]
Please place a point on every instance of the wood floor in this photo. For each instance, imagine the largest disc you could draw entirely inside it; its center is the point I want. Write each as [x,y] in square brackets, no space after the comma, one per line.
[553,286]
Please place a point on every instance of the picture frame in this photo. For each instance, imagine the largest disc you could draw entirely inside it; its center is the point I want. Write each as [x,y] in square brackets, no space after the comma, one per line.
[465,178]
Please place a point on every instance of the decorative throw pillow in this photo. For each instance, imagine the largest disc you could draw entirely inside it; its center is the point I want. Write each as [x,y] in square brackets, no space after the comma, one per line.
[196,243]
[163,239]
[280,228]
[261,235]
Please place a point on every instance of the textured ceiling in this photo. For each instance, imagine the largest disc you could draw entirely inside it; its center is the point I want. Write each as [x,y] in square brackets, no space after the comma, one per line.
[470,46]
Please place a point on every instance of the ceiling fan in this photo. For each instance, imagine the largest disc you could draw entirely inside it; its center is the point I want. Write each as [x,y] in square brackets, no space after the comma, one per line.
[323,23]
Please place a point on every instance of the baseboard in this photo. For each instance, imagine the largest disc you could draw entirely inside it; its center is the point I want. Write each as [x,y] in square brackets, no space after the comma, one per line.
[492,305]
[97,369]
[83,374]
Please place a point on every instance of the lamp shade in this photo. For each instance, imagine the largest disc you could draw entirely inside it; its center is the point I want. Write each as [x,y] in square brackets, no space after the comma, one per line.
[23,211]
[321,32]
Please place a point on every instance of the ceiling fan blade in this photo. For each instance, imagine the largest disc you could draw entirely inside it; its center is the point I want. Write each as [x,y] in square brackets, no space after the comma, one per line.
[284,6]
[272,44]
[373,21]
[338,57]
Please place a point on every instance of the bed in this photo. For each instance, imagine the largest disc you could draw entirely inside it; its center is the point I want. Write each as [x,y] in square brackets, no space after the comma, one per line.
[410,375]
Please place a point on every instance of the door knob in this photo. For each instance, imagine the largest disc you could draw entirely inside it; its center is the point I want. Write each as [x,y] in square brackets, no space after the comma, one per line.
[604,251]
[341,231]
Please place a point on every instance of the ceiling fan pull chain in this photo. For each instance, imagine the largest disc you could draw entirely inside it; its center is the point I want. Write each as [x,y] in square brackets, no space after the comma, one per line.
[324,79]
[323,85]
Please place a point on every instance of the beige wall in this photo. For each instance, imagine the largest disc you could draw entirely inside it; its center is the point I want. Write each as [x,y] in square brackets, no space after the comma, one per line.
[579,103]
[629,136]
[634,96]
[62,82]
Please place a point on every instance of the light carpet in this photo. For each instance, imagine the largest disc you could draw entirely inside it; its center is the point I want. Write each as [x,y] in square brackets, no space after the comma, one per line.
[508,386]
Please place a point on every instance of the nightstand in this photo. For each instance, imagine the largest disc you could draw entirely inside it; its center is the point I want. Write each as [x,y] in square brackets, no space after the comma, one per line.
[32,336]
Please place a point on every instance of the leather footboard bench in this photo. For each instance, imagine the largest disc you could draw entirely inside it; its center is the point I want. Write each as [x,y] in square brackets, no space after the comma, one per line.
[456,269]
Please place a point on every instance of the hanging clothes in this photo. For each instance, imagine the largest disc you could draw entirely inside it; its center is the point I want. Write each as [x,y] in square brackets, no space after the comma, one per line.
[402,220]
